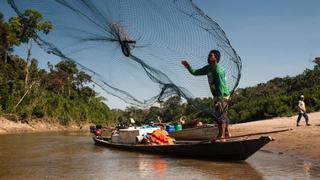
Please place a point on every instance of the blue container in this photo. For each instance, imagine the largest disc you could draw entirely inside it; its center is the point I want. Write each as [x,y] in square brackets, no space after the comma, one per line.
[170,128]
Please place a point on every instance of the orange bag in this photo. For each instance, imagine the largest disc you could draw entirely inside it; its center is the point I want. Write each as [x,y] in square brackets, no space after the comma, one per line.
[160,137]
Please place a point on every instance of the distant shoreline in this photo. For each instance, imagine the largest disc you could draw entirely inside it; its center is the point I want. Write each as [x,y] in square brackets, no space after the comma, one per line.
[11,127]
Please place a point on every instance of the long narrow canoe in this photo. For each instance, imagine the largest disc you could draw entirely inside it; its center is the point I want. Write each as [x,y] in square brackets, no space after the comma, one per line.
[232,149]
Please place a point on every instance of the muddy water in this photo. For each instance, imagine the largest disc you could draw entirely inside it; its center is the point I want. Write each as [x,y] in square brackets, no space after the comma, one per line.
[74,156]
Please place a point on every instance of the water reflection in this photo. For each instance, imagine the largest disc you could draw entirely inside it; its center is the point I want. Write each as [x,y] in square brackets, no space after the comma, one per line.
[159,166]
[225,170]
[74,156]
[162,167]
[156,167]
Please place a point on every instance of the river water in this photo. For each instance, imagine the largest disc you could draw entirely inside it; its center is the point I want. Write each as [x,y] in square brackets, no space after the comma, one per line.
[74,156]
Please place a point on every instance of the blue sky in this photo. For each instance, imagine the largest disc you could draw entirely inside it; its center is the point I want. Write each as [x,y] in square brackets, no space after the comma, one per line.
[274,38]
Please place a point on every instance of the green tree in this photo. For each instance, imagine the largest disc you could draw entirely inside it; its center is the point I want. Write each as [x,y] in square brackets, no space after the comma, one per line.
[4,39]
[81,79]
[24,29]
[172,109]
[63,77]
[153,113]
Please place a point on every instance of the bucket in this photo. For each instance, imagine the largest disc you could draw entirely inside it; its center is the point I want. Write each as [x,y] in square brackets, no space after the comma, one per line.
[178,127]
[170,128]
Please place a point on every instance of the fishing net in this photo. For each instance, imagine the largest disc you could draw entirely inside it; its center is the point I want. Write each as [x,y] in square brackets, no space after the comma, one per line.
[133,49]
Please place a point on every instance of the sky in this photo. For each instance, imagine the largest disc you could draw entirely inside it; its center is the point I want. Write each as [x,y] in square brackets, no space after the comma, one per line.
[274,38]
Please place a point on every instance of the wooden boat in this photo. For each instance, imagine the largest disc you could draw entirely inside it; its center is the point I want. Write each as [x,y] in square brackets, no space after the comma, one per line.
[231,149]
[204,132]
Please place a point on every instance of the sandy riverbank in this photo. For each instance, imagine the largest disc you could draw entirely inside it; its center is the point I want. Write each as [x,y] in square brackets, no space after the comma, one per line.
[11,127]
[303,141]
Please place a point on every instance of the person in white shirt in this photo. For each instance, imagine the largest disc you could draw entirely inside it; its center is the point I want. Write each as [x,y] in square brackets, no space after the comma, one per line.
[302,111]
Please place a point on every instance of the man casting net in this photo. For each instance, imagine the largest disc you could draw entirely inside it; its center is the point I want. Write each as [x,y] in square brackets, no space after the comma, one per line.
[133,49]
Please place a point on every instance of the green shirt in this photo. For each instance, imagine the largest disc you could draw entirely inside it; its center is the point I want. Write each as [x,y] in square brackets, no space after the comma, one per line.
[216,79]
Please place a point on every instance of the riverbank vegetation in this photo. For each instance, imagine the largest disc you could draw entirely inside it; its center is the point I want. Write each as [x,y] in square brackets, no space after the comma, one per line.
[61,94]
[64,94]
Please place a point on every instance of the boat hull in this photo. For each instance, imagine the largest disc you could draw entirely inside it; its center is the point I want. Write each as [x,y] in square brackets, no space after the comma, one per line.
[237,150]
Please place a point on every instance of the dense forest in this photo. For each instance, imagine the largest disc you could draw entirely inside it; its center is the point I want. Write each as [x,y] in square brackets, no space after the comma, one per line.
[277,97]
[64,94]
[61,94]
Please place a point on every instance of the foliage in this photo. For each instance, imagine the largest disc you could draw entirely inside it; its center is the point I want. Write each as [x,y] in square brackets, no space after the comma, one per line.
[73,102]
[4,38]
[26,26]
[62,94]
[277,97]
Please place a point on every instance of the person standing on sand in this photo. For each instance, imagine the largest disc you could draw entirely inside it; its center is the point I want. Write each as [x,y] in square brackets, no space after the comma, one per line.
[302,111]
[218,87]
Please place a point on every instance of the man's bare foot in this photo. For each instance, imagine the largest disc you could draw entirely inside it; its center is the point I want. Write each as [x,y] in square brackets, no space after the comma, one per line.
[228,135]
[221,140]
[218,139]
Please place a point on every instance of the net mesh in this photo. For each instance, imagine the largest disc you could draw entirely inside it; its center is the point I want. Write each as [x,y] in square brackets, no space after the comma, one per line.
[133,49]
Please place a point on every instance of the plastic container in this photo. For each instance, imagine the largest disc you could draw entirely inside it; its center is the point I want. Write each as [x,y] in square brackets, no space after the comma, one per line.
[115,138]
[178,127]
[170,128]
[128,136]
